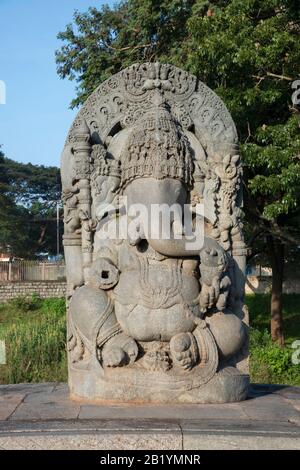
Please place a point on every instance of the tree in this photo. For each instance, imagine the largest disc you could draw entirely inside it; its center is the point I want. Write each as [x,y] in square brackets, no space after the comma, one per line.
[28,197]
[249,54]
[103,42]
[248,51]
[12,217]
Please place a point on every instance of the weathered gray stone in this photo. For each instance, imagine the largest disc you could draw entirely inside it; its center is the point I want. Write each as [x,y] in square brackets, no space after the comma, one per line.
[30,396]
[166,412]
[51,409]
[154,314]
[268,407]
[9,403]
[22,388]
[56,395]
[288,392]
[55,422]
[108,435]
[228,442]
[295,402]
[239,435]
[44,289]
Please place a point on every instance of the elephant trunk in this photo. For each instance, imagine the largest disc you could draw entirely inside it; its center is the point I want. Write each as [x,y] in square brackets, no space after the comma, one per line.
[182,247]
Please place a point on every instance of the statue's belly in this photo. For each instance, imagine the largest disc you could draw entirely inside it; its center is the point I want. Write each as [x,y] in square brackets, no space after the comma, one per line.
[156,308]
[136,288]
[145,324]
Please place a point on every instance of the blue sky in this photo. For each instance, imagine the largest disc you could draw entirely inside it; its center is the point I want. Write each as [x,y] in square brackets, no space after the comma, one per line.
[36,117]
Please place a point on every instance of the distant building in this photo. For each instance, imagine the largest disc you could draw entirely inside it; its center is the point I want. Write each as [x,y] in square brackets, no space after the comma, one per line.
[5,256]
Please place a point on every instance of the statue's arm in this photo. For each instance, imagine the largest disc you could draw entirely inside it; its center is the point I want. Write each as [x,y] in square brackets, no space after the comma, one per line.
[107,264]
[215,282]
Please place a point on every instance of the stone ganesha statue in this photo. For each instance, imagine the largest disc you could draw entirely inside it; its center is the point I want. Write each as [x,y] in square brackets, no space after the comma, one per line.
[155,308]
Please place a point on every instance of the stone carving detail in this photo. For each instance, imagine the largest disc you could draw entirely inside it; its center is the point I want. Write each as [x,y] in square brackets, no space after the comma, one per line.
[148,318]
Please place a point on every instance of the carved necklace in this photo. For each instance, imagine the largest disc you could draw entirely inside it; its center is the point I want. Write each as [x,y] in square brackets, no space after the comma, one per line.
[160,296]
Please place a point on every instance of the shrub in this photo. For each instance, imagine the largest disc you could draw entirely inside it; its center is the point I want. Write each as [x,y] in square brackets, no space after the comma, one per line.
[27,303]
[36,348]
[268,362]
[34,330]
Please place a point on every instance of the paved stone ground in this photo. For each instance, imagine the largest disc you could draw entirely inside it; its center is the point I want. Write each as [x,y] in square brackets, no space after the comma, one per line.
[41,416]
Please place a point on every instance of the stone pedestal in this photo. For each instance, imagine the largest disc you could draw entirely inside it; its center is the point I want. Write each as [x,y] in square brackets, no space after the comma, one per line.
[42,416]
[134,386]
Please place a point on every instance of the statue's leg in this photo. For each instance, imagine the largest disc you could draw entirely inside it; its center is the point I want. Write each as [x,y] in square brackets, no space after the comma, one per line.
[86,309]
[94,327]
[119,350]
[229,333]
[184,350]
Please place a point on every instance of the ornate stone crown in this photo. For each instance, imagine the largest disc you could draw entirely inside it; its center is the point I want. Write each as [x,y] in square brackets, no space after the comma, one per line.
[158,148]
[102,164]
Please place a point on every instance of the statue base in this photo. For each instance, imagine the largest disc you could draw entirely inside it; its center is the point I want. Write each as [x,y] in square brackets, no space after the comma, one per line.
[116,385]
[41,416]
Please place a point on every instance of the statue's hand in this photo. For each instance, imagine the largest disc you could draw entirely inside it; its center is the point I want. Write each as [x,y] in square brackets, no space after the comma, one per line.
[213,269]
[213,263]
[209,294]
[225,285]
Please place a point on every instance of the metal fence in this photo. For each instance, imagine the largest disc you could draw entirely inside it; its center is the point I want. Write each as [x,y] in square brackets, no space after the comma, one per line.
[27,270]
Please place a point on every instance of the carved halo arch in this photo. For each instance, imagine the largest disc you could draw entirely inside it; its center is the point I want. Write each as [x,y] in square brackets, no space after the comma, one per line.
[121,100]
[117,104]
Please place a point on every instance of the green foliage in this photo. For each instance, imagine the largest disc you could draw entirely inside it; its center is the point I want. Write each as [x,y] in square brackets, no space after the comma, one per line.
[102,42]
[35,339]
[275,169]
[248,51]
[58,305]
[268,362]
[28,196]
[26,304]
[259,310]
[27,183]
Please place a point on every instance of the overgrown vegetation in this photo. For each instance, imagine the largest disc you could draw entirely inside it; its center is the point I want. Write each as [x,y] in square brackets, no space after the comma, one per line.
[34,332]
[28,198]
[269,363]
[35,335]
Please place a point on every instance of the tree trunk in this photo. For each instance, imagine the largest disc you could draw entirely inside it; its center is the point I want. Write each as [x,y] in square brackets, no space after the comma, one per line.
[276,253]
[42,235]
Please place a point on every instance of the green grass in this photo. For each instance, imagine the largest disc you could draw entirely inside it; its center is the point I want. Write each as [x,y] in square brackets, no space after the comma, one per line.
[268,362]
[259,310]
[34,331]
[35,336]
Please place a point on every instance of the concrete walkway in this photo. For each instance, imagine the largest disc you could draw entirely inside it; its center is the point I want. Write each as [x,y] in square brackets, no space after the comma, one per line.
[41,416]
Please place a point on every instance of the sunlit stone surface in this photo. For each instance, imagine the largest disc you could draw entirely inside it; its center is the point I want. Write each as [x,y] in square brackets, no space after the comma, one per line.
[155,296]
